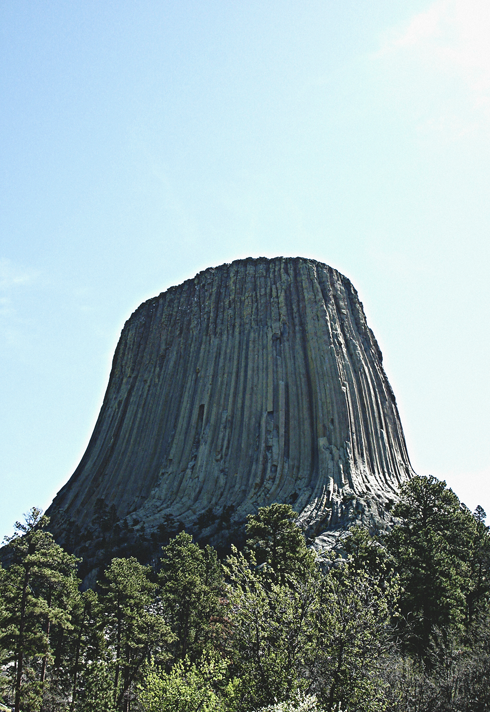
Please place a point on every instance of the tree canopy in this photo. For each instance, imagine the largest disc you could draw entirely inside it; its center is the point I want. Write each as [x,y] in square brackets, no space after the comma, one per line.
[398,622]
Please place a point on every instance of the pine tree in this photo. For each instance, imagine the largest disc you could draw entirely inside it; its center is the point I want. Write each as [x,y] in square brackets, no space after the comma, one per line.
[479,561]
[37,590]
[191,583]
[432,546]
[277,542]
[82,647]
[134,626]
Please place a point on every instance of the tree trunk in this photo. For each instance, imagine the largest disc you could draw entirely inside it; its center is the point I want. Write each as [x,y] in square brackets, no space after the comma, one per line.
[45,657]
[118,651]
[20,651]
[77,657]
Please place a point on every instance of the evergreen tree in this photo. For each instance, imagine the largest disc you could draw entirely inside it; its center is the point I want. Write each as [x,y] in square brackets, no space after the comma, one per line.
[479,562]
[368,553]
[191,583]
[277,542]
[37,591]
[432,547]
[133,625]
[84,650]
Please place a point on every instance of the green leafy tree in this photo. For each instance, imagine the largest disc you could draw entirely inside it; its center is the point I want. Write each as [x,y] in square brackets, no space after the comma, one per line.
[38,590]
[273,624]
[133,624]
[353,637]
[432,546]
[296,629]
[301,703]
[191,583]
[188,687]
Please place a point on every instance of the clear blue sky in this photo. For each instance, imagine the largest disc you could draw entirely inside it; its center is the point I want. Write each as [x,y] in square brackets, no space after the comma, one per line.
[144,141]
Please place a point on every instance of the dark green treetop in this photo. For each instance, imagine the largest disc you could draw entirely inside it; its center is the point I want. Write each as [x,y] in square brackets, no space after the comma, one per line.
[276,540]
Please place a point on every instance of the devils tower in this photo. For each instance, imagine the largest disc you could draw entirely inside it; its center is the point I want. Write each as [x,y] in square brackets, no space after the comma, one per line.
[255,382]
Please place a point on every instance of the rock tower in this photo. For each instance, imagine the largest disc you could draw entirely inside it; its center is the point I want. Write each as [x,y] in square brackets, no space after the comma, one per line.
[255,382]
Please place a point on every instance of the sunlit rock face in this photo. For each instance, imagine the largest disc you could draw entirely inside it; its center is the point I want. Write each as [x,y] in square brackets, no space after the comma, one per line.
[255,382]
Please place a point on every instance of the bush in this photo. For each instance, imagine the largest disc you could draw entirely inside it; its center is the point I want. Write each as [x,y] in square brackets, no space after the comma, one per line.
[302,703]
[185,688]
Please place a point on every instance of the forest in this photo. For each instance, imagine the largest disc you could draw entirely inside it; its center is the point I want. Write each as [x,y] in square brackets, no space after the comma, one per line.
[392,621]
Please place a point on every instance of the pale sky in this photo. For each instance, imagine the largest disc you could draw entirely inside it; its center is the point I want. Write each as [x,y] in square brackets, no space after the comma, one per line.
[143,142]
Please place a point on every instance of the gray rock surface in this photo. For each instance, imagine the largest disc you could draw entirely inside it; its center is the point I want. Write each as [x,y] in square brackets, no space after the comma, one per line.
[255,382]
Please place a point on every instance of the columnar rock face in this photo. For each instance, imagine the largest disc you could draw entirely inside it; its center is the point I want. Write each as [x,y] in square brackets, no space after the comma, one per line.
[255,382]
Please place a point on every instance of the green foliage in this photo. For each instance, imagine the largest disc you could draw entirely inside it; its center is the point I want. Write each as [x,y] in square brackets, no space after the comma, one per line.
[85,652]
[367,553]
[273,639]
[301,703]
[134,628]
[455,681]
[479,563]
[98,687]
[186,688]
[3,625]
[191,583]
[430,546]
[311,632]
[353,636]
[37,594]
[289,631]
[277,543]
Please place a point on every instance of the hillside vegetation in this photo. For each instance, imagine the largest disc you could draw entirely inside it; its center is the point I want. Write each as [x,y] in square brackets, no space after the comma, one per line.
[393,622]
